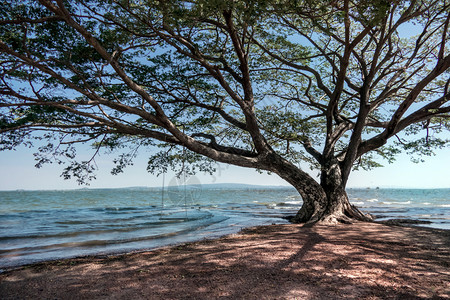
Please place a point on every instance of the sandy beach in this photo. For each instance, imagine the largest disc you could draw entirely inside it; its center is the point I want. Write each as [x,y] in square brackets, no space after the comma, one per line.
[357,261]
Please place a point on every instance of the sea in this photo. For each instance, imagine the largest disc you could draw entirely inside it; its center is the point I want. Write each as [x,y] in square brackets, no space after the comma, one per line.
[47,225]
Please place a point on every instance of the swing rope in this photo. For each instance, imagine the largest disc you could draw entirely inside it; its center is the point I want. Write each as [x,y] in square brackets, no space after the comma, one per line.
[162,191]
[184,178]
[183,170]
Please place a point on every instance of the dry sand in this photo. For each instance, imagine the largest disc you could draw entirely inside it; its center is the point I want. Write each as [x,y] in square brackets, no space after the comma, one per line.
[357,261]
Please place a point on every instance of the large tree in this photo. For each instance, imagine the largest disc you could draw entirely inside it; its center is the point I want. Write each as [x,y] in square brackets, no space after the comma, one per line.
[257,84]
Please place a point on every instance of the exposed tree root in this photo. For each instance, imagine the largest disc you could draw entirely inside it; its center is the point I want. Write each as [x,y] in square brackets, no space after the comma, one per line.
[354,213]
[347,215]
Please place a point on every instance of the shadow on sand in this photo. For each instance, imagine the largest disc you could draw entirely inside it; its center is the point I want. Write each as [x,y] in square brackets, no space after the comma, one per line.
[357,261]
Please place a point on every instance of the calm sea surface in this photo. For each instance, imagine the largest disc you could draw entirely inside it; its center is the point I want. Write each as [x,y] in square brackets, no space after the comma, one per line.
[47,225]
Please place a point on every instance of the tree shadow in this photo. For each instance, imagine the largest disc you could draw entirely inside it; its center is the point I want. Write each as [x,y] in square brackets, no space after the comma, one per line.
[270,262]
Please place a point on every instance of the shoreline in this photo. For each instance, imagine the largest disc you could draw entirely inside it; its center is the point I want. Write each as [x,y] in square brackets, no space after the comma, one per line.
[361,260]
[408,223]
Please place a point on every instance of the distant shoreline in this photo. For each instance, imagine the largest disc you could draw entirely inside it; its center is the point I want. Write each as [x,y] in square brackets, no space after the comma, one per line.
[216,186]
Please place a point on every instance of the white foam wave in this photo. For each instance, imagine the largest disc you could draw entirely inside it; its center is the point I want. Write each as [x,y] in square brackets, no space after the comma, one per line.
[372,200]
[358,203]
[444,205]
[393,202]
[293,202]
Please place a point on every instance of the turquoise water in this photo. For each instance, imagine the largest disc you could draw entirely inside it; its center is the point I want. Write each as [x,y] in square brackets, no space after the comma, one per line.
[46,225]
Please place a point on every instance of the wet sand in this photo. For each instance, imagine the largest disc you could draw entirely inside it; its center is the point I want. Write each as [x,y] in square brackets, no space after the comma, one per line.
[357,261]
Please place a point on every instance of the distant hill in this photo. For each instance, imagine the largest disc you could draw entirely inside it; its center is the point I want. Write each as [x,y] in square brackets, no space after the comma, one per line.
[227,186]
[215,186]
[211,186]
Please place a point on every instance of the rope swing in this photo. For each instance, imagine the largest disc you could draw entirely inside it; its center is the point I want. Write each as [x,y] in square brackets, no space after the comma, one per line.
[183,170]
[162,191]
[184,180]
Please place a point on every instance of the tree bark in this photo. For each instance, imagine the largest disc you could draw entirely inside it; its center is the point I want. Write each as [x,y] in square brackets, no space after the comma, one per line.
[326,202]
[332,208]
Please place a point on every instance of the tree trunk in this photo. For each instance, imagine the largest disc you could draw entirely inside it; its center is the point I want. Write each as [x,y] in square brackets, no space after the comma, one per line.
[326,202]
[331,209]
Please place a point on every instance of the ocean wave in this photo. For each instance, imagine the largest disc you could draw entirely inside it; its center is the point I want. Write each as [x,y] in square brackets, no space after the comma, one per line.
[444,205]
[394,202]
[293,202]
[372,200]
[358,202]
[286,204]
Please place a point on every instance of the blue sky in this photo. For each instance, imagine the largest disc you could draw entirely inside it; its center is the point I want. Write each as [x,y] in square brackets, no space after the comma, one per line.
[18,172]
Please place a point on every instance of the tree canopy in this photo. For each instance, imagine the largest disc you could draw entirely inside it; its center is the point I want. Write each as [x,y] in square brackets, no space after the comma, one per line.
[259,84]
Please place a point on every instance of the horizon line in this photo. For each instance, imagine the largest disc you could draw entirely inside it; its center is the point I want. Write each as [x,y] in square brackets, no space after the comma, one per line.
[210,184]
